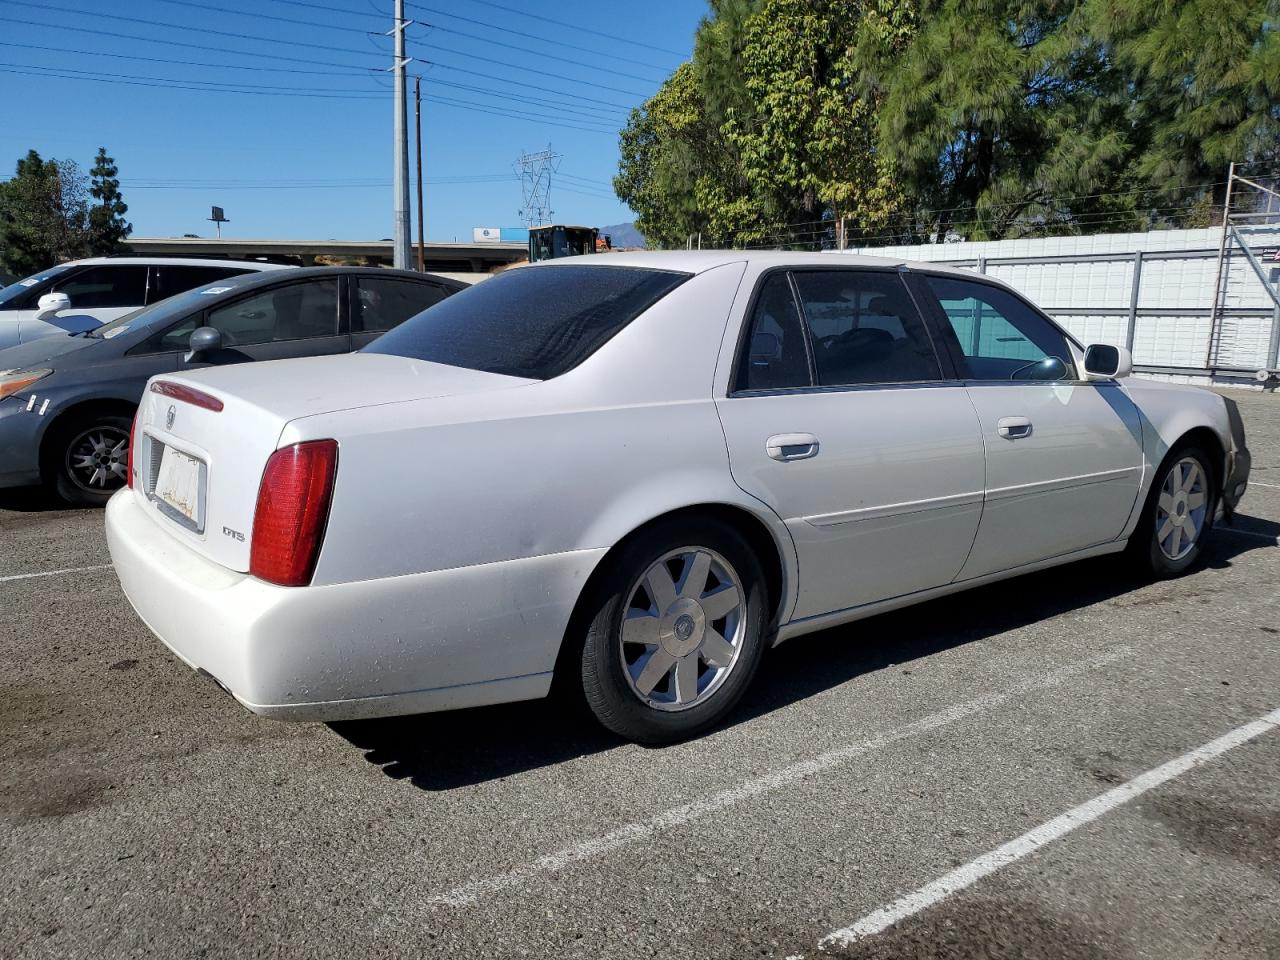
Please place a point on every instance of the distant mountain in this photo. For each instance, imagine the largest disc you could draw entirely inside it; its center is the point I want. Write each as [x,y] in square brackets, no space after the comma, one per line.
[624,235]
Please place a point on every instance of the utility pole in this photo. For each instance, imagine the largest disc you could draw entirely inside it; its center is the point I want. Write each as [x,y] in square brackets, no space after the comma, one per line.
[400,252]
[417,119]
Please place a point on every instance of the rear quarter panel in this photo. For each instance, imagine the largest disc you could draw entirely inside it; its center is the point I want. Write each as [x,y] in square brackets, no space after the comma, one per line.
[574,463]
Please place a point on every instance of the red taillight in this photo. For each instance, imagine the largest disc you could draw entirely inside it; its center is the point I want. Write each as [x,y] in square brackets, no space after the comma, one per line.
[187,395]
[293,507]
[133,445]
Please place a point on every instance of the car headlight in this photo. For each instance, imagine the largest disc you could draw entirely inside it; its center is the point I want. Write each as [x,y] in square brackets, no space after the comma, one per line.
[11,381]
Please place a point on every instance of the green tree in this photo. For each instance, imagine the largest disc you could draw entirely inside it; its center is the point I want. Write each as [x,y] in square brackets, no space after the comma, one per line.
[809,148]
[1205,81]
[995,113]
[671,156]
[43,215]
[107,225]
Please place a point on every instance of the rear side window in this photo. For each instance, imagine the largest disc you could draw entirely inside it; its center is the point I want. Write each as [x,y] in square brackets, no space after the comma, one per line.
[776,356]
[167,280]
[865,328]
[383,303]
[534,322]
[105,286]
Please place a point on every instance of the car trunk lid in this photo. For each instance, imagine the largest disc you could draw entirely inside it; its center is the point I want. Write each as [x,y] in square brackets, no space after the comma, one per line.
[204,437]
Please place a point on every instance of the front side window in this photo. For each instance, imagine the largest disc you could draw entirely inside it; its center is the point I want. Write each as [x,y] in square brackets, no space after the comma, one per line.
[23,294]
[293,312]
[533,322]
[776,356]
[864,328]
[384,303]
[1001,337]
[105,286]
[298,311]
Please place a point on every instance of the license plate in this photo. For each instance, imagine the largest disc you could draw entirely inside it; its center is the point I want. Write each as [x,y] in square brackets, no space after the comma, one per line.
[178,484]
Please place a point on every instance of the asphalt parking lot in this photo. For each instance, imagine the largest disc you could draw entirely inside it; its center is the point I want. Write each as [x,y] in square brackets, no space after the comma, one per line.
[926,754]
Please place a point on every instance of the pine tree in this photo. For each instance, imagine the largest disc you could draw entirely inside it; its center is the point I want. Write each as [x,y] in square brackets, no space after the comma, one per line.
[107,225]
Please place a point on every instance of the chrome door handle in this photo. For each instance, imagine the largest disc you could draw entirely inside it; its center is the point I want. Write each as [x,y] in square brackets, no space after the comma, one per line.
[791,446]
[1013,428]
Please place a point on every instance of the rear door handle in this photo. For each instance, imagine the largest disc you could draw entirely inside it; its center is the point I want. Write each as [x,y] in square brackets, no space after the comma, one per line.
[1013,428]
[791,446]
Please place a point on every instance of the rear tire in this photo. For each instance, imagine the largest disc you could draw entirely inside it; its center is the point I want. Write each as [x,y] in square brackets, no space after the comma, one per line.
[1177,515]
[88,457]
[666,655]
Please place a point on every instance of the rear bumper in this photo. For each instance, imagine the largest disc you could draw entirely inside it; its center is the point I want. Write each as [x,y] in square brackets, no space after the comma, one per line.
[411,644]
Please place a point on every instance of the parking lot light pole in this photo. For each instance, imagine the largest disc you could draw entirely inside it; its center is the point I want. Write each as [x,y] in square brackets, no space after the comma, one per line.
[417,118]
[400,253]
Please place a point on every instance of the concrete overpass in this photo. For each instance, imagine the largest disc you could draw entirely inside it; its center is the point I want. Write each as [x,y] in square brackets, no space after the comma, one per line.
[440,257]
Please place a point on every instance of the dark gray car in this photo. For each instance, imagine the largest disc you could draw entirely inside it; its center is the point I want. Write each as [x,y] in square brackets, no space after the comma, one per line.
[67,402]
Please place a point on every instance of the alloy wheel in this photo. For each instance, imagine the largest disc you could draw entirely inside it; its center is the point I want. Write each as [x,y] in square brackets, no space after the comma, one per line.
[1181,508]
[97,459]
[682,630]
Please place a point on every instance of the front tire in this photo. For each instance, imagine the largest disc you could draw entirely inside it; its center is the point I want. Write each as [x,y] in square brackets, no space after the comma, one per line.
[88,458]
[1177,515]
[677,631]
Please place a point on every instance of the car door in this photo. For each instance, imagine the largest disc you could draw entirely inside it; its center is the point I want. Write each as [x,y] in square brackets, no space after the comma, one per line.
[380,303]
[298,318]
[1064,455]
[843,419]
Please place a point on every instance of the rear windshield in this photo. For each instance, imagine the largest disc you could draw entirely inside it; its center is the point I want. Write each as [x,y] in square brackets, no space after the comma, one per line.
[534,322]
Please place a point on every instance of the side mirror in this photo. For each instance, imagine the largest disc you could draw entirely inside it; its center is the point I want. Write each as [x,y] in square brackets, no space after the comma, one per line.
[49,305]
[1102,361]
[203,340]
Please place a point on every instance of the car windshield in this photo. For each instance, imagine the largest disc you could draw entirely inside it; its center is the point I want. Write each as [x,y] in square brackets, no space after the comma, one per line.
[533,322]
[22,287]
[174,308]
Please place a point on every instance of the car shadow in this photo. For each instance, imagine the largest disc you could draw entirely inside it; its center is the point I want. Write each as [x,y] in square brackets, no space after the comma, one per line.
[445,751]
[34,500]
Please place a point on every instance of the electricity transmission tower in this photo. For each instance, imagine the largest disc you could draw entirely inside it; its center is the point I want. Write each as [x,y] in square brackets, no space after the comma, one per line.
[535,170]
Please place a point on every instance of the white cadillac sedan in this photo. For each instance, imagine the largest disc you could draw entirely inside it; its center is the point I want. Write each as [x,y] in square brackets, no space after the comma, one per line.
[635,473]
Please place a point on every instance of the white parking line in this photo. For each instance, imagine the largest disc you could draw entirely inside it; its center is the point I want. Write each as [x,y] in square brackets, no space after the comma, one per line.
[54,573]
[1259,483]
[1270,537]
[641,830]
[1033,840]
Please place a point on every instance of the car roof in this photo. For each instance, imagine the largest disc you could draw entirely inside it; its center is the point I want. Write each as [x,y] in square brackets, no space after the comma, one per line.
[696,261]
[181,262]
[296,273]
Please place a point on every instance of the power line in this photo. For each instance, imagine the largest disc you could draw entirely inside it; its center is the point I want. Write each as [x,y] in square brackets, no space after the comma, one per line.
[541,73]
[355,71]
[573,26]
[531,36]
[339,69]
[218,33]
[536,53]
[67,73]
[314,24]
[60,27]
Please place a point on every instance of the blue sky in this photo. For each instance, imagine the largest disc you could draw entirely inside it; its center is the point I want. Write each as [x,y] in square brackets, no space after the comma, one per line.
[293,138]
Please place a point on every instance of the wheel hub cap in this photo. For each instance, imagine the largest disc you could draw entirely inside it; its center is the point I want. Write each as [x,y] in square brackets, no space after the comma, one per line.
[683,628]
